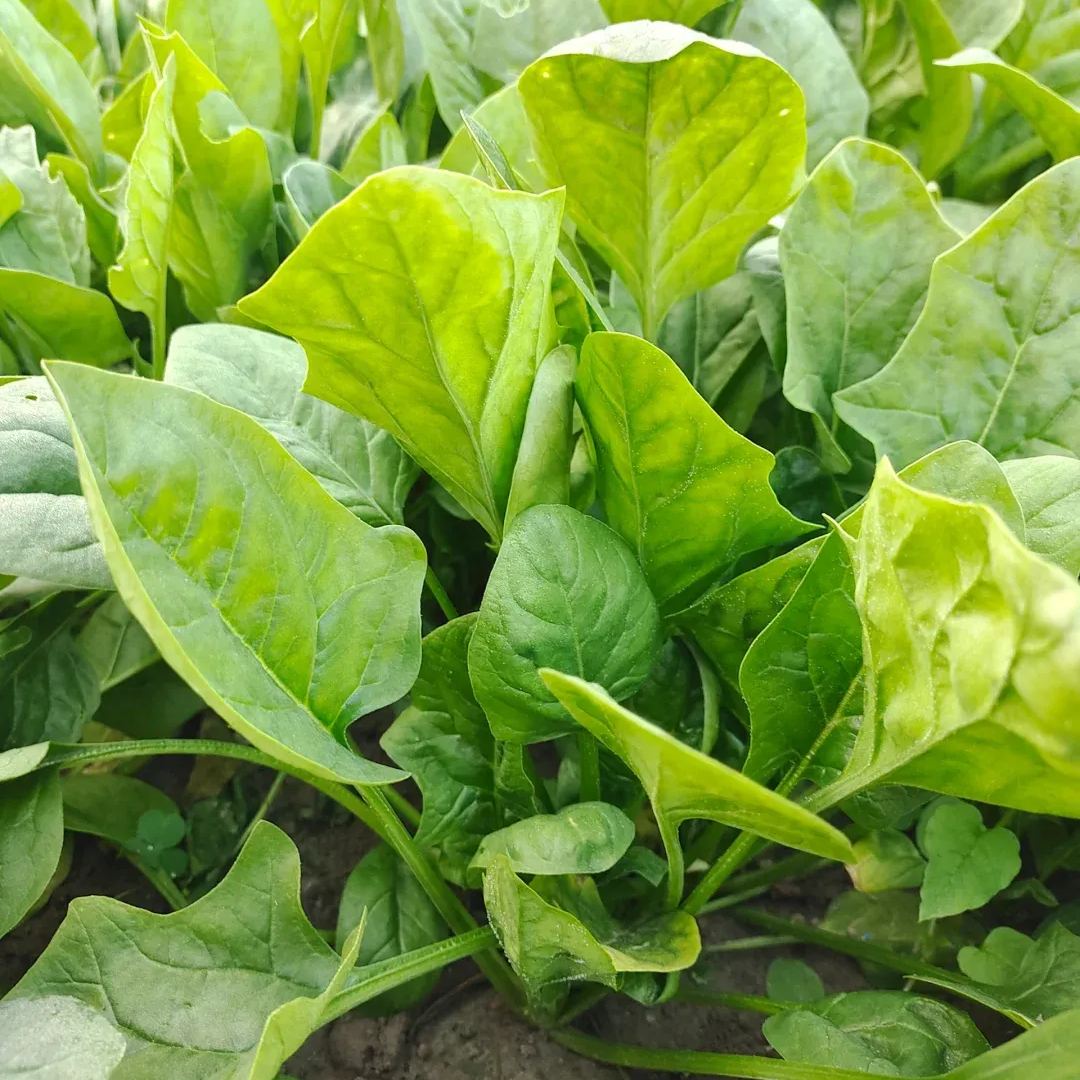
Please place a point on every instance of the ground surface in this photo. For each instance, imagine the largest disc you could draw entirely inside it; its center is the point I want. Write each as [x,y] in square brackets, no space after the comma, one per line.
[462,1032]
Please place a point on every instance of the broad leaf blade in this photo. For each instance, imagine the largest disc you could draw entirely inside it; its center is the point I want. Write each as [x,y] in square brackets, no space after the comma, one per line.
[31,836]
[285,612]
[674,149]
[437,347]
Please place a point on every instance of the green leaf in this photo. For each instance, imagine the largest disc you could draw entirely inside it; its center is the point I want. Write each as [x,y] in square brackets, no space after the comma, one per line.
[984,23]
[799,37]
[46,233]
[687,12]
[674,149]
[48,687]
[386,46]
[884,1033]
[239,43]
[287,614]
[380,145]
[233,957]
[669,469]
[330,31]
[261,374]
[443,29]
[546,944]
[443,739]
[683,784]
[971,653]
[89,333]
[1054,118]
[140,275]
[442,359]
[856,252]
[886,859]
[45,529]
[31,836]
[399,918]
[967,863]
[43,84]
[586,838]
[793,980]
[1049,1052]
[1012,352]
[727,619]
[111,806]
[41,1039]
[567,593]
[311,188]
[1048,490]
[1038,978]
[542,471]
[947,108]
[115,644]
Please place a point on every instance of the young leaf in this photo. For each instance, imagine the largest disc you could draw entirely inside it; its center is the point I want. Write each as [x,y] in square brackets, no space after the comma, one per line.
[47,232]
[311,188]
[48,687]
[43,84]
[565,592]
[683,784]
[397,916]
[949,96]
[1011,360]
[41,1038]
[971,651]
[1056,119]
[262,375]
[443,739]
[441,358]
[1048,490]
[234,957]
[967,863]
[793,980]
[1037,978]
[542,471]
[31,836]
[886,859]
[586,838]
[546,944]
[800,38]
[140,275]
[674,149]
[115,644]
[330,30]
[45,529]
[248,600]
[879,1031]
[856,250]
[670,471]
[239,43]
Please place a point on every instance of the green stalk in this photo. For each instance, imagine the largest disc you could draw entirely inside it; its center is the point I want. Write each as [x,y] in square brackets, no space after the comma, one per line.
[86,752]
[440,595]
[376,979]
[441,895]
[710,698]
[745,1002]
[170,892]
[589,762]
[697,1062]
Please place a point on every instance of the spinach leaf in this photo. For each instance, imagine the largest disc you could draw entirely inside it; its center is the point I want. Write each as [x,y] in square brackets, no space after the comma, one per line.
[31,836]
[453,383]
[40,1038]
[251,615]
[565,591]
[674,149]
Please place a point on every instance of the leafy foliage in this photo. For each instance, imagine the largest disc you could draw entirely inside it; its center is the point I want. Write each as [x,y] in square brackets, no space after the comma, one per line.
[655,421]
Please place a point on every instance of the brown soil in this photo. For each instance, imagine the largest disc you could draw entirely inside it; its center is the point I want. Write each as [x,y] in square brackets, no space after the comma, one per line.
[462,1032]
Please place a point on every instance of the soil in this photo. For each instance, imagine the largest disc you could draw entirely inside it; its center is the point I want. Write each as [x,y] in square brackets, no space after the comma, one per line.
[462,1032]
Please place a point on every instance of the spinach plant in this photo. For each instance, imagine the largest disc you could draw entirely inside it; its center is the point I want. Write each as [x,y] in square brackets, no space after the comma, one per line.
[625,454]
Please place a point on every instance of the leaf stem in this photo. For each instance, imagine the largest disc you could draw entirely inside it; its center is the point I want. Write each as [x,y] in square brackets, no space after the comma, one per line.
[377,978]
[589,763]
[729,1000]
[442,896]
[86,752]
[170,892]
[697,1062]
[710,698]
[440,595]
